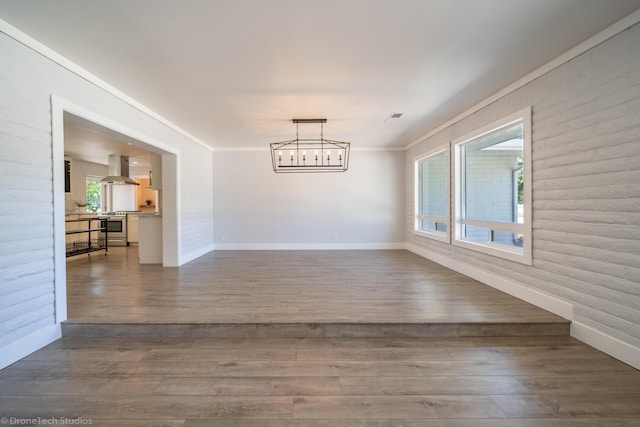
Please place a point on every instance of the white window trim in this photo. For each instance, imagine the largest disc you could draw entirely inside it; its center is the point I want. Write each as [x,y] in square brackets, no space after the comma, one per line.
[436,235]
[523,255]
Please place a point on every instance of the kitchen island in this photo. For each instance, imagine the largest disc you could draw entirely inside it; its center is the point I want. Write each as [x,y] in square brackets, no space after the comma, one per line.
[150,239]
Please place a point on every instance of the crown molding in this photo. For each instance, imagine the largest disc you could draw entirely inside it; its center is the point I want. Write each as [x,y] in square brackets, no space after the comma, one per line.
[49,53]
[604,35]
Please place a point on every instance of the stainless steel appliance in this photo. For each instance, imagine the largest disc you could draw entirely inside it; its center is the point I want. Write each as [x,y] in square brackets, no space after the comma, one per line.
[116,225]
[119,171]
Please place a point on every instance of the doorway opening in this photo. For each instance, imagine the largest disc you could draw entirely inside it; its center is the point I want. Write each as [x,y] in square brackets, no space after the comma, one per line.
[95,138]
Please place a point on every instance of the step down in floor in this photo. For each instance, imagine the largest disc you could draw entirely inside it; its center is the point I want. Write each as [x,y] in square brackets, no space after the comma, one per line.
[310,330]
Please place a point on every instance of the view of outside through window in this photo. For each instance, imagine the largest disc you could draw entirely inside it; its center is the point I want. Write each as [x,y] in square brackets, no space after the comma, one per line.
[94,196]
[493,184]
[433,201]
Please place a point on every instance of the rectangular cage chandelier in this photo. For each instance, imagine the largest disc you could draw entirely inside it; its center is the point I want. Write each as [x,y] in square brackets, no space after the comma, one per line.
[310,154]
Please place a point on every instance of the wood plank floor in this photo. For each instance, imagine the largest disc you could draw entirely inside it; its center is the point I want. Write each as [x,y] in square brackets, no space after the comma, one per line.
[445,351]
[304,293]
[321,382]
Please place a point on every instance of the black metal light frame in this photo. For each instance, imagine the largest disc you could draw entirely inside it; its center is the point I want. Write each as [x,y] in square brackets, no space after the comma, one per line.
[310,154]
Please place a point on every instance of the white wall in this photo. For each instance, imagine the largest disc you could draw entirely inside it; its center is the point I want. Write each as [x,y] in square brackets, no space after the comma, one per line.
[586,195]
[28,79]
[256,208]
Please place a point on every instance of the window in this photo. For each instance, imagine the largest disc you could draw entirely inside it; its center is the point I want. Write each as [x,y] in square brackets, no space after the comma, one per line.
[432,195]
[492,189]
[93,194]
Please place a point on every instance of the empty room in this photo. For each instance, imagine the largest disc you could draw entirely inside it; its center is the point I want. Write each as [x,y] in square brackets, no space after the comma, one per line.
[306,213]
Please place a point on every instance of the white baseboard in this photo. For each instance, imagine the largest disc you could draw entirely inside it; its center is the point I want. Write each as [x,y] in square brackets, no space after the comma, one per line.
[306,246]
[621,350]
[614,347]
[545,301]
[16,350]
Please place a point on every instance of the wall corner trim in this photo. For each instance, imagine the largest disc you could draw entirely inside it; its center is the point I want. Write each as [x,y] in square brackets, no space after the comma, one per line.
[621,350]
[24,346]
[506,285]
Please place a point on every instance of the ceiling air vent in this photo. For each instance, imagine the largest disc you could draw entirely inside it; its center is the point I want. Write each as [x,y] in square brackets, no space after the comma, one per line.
[393,116]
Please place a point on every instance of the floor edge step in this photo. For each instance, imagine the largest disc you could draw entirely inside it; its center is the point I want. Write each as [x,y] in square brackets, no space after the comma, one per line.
[310,330]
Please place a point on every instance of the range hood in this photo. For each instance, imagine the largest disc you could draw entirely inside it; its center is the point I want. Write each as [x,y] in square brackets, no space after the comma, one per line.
[119,171]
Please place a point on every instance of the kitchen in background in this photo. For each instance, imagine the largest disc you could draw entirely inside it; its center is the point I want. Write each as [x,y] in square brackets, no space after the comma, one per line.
[109,184]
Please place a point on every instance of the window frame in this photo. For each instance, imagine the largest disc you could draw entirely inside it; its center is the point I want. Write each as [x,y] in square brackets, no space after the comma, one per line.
[524,254]
[443,236]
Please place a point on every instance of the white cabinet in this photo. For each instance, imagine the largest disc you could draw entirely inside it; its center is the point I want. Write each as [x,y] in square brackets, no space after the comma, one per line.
[133,228]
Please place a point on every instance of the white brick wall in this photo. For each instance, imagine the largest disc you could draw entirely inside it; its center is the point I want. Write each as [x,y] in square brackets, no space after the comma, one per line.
[26,206]
[27,81]
[586,186]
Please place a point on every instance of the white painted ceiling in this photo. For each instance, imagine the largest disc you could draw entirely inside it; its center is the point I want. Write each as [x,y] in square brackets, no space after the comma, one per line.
[233,73]
[93,143]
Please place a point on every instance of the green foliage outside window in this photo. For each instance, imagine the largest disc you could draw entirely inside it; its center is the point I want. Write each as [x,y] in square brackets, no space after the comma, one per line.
[94,196]
[520,175]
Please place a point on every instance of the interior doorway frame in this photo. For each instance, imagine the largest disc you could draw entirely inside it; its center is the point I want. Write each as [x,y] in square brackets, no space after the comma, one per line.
[170,187]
